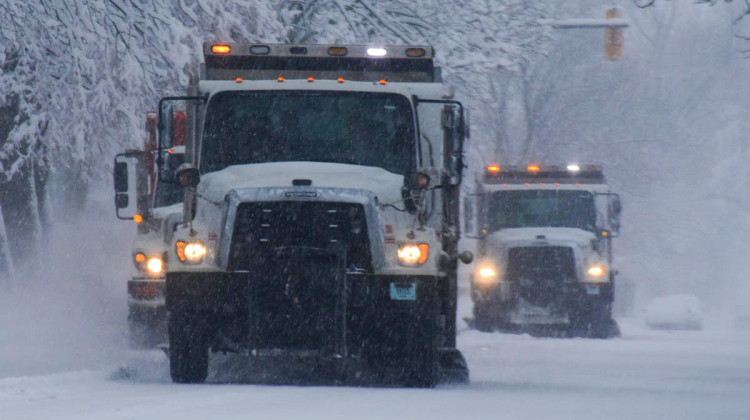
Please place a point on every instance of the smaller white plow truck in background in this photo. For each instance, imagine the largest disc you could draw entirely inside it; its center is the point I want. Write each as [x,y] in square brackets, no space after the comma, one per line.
[544,257]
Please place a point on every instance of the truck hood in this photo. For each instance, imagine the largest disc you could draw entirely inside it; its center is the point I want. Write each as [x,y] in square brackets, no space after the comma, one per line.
[542,235]
[385,185]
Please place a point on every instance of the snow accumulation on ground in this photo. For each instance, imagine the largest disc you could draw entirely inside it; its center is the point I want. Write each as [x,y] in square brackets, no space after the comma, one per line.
[645,374]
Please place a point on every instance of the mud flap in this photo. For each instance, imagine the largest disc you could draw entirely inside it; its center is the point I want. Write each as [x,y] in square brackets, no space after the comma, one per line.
[452,367]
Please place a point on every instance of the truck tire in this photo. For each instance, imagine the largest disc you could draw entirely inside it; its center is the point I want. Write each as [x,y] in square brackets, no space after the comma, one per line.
[596,323]
[421,359]
[483,319]
[188,348]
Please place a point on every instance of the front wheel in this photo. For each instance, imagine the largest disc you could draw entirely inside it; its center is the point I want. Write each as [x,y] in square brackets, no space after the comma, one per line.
[188,348]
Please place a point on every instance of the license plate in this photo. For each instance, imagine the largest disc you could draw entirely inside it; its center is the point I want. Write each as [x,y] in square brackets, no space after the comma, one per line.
[403,291]
[592,290]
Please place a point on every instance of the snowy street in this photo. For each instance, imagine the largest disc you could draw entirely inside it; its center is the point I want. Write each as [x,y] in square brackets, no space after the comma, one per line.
[644,374]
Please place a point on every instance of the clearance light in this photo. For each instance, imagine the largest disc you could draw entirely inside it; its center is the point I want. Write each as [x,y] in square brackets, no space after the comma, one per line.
[533,168]
[280,79]
[412,254]
[340,80]
[137,219]
[138,259]
[415,52]
[238,80]
[155,265]
[382,81]
[493,169]
[574,168]
[170,151]
[376,52]
[337,51]
[597,271]
[260,49]
[221,49]
[310,79]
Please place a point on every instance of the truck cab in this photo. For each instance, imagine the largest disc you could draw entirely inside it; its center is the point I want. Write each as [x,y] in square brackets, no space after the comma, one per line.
[321,215]
[544,258]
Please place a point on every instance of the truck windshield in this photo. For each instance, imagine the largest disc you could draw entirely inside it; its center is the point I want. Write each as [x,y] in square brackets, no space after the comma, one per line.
[361,128]
[542,208]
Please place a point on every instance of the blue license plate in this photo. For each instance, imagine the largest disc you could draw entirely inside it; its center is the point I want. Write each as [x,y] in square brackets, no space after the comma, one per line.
[403,291]
[592,290]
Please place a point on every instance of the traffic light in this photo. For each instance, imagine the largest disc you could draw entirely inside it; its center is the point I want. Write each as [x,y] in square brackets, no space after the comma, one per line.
[613,38]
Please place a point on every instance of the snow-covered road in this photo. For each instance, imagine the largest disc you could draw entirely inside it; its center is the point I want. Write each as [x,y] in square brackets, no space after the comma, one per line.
[643,375]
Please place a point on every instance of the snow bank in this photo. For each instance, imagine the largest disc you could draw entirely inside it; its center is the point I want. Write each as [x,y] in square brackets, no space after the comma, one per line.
[675,312]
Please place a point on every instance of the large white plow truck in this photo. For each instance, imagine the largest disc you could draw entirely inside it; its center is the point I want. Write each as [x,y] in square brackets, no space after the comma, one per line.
[544,262]
[321,216]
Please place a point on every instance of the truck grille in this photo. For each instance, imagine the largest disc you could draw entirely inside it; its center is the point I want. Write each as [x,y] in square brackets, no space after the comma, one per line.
[262,226]
[541,272]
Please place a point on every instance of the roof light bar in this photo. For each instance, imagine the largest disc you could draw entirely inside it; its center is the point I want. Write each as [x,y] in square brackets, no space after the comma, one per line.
[376,52]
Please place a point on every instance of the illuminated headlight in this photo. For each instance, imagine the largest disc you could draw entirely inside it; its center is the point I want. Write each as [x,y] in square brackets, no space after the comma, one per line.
[413,254]
[155,265]
[190,252]
[597,271]
[486,276]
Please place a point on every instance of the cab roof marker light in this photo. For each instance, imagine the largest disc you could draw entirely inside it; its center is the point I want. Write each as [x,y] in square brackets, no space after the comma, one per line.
[221,49]
[533,168]
[338,51]
[415,52]
[340,80]
[376,52]
[382,81]
[260,49]
[493,169]
[310,79]
[238,80]
[280,79]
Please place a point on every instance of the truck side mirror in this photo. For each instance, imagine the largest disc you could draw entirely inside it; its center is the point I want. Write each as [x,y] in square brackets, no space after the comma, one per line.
[615,211]
[187,175]
[121,177]
[125,187]
[454,127]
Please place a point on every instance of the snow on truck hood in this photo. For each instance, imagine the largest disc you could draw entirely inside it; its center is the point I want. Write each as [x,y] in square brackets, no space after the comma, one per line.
[385,185]
[553,236]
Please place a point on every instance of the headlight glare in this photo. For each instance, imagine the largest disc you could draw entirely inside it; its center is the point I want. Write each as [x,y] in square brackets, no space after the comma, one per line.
[155,265]
[413,254]
[190,252]
[597,271]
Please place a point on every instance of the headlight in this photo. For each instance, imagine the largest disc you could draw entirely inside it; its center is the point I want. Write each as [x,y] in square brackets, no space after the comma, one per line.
[413,254]
[155,265]
[597,271]
[486,276]
[190,252]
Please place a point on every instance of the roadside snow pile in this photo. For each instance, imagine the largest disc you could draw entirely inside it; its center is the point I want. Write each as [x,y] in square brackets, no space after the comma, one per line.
[675,312]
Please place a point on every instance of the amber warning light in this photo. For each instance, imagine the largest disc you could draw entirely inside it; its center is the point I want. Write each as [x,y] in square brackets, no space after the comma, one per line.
[493,169]
[221,49]
[533,168]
